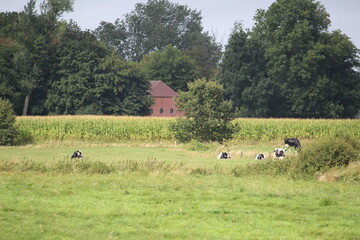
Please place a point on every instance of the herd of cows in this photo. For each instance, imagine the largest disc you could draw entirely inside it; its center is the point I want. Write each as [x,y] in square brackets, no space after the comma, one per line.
[278,152]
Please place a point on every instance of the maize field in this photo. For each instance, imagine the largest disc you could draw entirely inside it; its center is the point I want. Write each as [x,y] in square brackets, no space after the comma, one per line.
[120,128]
[271,129]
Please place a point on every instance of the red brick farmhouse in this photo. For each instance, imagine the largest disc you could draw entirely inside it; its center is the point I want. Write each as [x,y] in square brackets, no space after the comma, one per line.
[164,100]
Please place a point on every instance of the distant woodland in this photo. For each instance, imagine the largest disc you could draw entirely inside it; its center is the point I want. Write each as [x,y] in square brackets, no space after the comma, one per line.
[288,65]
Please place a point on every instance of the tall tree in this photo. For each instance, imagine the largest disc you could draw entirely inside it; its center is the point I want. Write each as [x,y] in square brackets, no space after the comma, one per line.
[36,35]
[301,57]
[115,36]
[243,74]
[121,87]
[93,80]
[155,24]
[303,64]
[9,87]
[78,54]
[27,60]
[172,67]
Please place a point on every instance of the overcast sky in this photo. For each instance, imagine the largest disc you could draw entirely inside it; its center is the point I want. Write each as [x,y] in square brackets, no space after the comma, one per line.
[218,16]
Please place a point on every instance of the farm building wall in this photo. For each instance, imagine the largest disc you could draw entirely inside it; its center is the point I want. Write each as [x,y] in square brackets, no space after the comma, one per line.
[165,107]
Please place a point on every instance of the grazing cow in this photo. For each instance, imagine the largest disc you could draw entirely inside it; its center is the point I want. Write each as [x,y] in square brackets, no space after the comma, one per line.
[77,154]
[224,155]
[260,156]
[292,142]
[279,153]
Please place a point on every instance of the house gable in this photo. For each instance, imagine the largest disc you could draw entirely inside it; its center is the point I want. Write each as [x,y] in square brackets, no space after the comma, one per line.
[164,100]
[160,89]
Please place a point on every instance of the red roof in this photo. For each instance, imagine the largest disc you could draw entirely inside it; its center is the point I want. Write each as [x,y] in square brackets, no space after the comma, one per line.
[160,89]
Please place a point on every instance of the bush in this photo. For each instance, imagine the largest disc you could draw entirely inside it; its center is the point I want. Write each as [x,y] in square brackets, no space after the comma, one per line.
[8,133]
[208,115]
[182,130]
[326,153]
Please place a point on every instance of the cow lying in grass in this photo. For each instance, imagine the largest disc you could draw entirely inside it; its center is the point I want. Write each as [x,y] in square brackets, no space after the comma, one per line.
[292,142]
[260,156]
[77,154]
[279,153]
[224,155]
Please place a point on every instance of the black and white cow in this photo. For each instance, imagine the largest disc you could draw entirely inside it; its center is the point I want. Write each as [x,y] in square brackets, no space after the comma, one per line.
[224,155]
[292,142]
[77,154]
[279,153]
[260,156]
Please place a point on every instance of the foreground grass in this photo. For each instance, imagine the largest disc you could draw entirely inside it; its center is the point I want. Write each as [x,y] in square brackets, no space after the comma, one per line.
[138,206]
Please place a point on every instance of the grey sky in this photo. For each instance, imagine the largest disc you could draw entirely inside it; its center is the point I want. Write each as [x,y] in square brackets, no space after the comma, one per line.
[218,16]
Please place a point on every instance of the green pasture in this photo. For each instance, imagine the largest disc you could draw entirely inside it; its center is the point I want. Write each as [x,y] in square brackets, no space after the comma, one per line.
[136,206]
[137,182]
[183,203]
[180,154]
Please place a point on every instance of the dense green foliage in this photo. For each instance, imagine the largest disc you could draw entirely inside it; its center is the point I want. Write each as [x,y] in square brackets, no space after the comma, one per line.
[289,65]
[327,153]
[8,132]
[33,62]
[92,80]
[156,24]
[207,115]
[51,67]
[172,67]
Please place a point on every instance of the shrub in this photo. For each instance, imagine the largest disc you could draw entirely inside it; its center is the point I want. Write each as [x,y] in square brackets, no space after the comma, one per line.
[326,153]
[182,130]
[8,132]
[23,137]
[208,115]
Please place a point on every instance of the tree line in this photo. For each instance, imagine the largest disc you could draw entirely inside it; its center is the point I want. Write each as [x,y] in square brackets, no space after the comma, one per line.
[287,65]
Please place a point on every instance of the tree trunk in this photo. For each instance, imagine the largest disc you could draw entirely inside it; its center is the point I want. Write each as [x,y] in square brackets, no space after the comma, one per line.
[26,104]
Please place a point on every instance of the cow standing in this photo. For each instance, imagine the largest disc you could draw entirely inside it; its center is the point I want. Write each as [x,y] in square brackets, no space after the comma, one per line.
[292,142]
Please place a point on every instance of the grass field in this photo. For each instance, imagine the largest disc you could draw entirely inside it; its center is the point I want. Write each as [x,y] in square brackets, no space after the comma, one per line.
[182,203]
[136,182]
[133,206]
[181,154]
